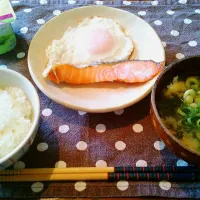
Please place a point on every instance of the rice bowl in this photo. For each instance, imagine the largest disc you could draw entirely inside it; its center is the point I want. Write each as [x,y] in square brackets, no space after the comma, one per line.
[28,116]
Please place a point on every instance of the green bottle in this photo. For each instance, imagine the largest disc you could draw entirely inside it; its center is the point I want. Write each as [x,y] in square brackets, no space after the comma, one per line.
[7,38]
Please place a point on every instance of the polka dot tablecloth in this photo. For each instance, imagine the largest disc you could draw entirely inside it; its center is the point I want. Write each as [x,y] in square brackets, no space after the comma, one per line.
[68,138]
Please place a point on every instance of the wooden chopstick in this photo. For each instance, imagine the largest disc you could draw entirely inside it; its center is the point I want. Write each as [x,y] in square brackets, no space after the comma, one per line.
[72,170]
[79,170]
[54,177]
[103,176]
[130,173]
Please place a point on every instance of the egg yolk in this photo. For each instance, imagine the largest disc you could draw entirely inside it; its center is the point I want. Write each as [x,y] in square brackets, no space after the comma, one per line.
[99,41]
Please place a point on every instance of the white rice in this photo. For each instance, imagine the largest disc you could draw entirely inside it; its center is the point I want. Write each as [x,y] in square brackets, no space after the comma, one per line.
[15,118]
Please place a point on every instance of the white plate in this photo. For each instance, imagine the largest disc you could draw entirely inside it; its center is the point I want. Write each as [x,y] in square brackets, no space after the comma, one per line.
[100,97]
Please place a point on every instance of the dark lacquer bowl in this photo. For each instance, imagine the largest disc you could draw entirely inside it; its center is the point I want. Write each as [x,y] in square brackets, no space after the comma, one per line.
[188,66]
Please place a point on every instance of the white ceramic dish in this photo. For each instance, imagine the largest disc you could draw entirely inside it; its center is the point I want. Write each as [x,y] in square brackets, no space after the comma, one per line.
[100,97]
[12,78]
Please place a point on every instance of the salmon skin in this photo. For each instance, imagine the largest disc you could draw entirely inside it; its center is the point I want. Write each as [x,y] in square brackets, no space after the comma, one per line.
[133,71]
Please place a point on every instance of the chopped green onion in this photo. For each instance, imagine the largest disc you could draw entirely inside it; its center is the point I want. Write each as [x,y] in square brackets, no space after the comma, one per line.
[189,99]
[189,92]
[189,120]
[181,112]
[198,123]
[197,99]
[193,105]
[190,109]
[192,82]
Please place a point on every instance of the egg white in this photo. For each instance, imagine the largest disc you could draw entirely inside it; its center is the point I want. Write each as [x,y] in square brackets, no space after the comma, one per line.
[72,47]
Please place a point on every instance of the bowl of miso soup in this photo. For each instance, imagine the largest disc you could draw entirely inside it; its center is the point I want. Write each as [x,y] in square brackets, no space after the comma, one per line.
[175,108]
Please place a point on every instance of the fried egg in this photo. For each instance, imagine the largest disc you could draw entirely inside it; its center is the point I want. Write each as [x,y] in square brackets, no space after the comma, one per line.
[94,40]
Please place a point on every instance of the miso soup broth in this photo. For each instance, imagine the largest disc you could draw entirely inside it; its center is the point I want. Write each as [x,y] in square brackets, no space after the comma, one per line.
[179,108]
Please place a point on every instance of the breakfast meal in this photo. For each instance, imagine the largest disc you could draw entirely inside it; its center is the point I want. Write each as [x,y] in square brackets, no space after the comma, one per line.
[97,50]
[15,118]
[179,108]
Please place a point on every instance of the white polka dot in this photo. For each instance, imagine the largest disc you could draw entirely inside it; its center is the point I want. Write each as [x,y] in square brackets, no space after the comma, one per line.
[14,2]
[192,43]
[24,30]
[142,13]
[100,128]
[180,56]
[197,11]
[165,185]
[119,112]
[141,163]
[63,128]
[42,146]
[127,3]
[81,112]
[40,21]
[27,10]
[170,12]
[3,66]
[37,187]
[56,12]
[122,185]
[43,2]
[71,2]
[164,44]
[182,1]
[80,186]
[120,145]
[137,128]
[154,3]
[19,165]
[101,163]
[99,2]
[174,33]
[60,164]
[158,22]
[47,112]
[81,146]
[181,163]
[159,145]
[21,55]
[187,21]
